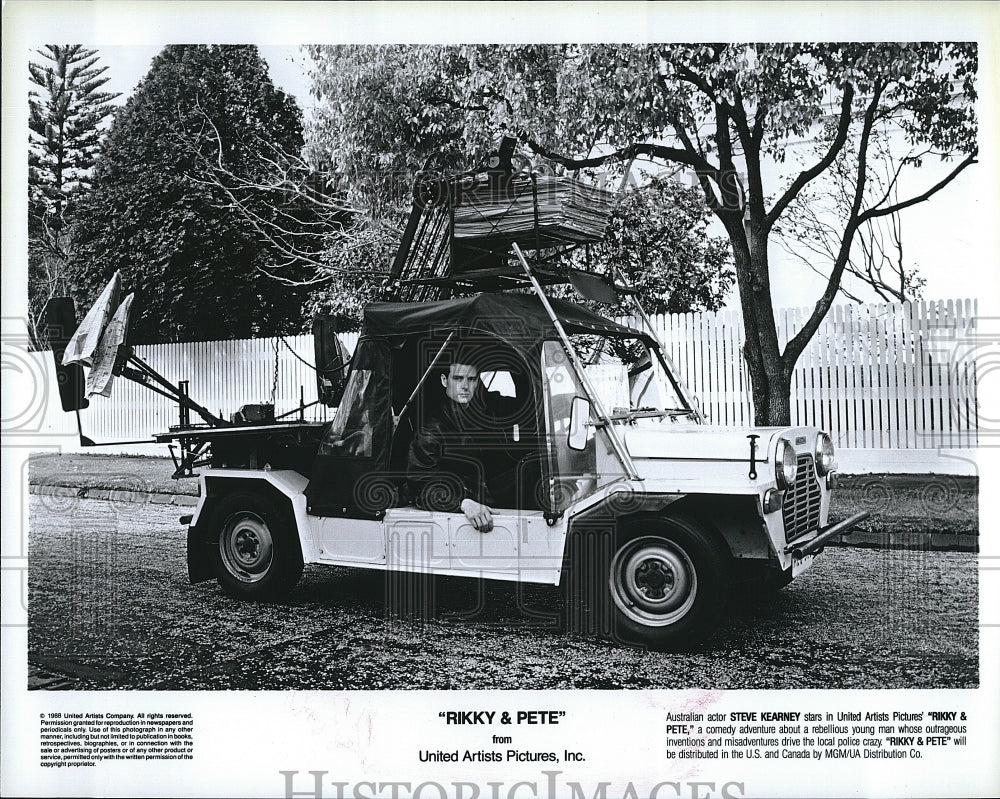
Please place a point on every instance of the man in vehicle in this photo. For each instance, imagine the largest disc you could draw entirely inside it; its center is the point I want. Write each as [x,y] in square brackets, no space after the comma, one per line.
[460,458]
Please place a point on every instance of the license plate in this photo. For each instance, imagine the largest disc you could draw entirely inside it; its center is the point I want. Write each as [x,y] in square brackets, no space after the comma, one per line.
[799,565]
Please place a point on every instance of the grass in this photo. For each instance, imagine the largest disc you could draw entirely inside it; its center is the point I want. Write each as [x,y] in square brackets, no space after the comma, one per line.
[143,473]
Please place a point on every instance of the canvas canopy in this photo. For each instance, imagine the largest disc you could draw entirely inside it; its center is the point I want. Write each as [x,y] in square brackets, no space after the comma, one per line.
[360,464]
[510,317]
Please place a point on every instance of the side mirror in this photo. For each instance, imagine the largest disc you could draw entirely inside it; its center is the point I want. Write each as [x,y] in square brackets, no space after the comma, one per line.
[331,360]
[579,416]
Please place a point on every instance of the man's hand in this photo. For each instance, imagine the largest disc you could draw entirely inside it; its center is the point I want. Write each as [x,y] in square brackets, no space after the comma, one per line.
[480,516]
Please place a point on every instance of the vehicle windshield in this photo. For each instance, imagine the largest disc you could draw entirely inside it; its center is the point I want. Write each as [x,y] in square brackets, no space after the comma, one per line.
[630,380]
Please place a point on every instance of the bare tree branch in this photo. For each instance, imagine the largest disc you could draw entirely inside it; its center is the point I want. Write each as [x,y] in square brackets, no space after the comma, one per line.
[843,126]
[795,346]
[297,239]
[923,196]
[682,156]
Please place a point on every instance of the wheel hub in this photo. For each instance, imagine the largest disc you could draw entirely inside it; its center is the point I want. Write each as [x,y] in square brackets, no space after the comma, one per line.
[246,547]
[653,581]
[653,576]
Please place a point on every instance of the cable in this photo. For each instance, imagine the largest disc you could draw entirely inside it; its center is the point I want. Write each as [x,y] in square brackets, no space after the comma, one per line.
[297,356]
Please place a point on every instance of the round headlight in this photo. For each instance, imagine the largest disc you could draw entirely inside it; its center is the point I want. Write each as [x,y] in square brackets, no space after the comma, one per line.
[784,464]
[824,454]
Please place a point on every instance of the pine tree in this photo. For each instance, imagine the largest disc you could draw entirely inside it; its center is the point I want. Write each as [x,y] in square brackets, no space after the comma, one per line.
[65,114]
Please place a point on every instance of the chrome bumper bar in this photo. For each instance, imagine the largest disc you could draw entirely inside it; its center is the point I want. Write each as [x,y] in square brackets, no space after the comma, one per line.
[799,548]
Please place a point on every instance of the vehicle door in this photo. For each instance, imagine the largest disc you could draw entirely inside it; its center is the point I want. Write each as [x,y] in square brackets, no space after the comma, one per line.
[510,455]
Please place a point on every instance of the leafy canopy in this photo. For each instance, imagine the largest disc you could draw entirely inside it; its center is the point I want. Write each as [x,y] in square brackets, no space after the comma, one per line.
[156,213]
[657,240]
[727,112]
[385,112]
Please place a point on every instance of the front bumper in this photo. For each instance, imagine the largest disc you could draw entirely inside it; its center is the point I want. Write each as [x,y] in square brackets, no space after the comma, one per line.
[809,545]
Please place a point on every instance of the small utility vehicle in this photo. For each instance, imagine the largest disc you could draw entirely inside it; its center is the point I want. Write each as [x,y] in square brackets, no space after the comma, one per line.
[622,484]
[624,494]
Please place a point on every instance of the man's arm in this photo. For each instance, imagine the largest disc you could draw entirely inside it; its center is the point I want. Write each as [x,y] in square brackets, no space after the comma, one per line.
[428,487]
[479,515]
[436,485]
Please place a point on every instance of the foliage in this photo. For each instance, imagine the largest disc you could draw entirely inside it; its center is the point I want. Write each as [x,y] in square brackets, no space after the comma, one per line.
[383,112]
[381,116]
[728,112]
[65,110]
[657,240]
[386,112]
[186,243]
[353,270]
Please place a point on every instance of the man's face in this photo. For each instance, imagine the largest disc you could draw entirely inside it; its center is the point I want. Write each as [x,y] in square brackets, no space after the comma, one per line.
[460,382]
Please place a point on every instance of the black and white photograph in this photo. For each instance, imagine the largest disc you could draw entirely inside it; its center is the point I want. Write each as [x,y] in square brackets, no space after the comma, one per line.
[498,403]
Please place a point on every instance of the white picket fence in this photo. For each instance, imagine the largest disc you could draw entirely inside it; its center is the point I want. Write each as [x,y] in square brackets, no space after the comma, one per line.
[884,377]
[222,376]
[875,376]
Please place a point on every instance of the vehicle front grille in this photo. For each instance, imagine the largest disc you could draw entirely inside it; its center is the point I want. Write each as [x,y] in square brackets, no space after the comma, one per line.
[800,509]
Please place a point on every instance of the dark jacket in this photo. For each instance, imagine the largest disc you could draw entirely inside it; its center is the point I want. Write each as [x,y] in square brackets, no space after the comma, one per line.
[463,451]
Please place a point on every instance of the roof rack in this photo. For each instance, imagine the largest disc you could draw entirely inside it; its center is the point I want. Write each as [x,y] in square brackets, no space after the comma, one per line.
[462,228]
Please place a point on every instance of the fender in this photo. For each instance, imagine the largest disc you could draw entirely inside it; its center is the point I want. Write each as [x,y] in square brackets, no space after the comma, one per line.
[215,483]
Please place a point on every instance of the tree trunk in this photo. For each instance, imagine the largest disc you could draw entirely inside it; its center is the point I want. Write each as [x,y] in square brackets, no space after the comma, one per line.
[779,404]
[770,380]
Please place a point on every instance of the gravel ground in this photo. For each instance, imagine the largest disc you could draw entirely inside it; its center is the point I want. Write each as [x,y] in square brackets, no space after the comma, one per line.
[110,607]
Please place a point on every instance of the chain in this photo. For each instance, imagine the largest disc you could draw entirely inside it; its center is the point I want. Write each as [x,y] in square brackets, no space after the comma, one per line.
[274,383]
[295,354]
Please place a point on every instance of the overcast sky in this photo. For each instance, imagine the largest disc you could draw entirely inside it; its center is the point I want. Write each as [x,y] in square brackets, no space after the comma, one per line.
[128,64]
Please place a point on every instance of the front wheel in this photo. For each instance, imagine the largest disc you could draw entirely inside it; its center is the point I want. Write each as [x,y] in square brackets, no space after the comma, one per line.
[667,582]
[259,553]
[661,583]
[654,582]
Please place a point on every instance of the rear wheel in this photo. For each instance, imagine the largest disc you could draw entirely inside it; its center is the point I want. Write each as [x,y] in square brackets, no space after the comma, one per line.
[259,553]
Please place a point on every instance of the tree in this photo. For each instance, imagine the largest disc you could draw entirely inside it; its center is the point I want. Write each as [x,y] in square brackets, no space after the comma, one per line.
[728,110]
[386,112]
[812,228]
[353,270]
[383,112]
[65,113]
[724,111]
[157,213]
[378,120]
[657,241]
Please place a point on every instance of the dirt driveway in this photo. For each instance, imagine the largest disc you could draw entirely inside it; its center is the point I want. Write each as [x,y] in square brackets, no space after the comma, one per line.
[110,607]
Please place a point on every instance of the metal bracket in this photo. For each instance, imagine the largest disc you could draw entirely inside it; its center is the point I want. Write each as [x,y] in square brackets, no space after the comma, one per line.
[753,455]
